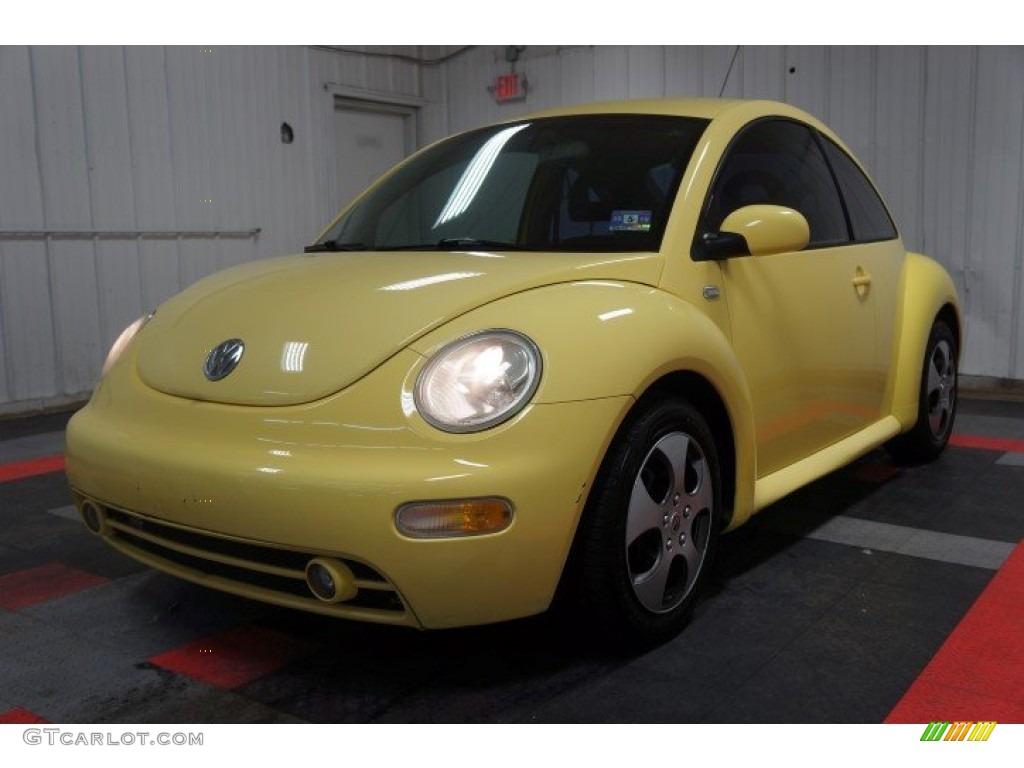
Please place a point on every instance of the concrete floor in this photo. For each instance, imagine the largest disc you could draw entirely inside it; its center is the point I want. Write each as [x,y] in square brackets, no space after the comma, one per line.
[825,608]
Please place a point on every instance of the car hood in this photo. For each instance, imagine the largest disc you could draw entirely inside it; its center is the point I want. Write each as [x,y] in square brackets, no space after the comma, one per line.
[313,325]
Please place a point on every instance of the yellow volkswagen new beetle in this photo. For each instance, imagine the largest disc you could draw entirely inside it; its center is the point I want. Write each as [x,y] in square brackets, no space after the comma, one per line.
[562,353]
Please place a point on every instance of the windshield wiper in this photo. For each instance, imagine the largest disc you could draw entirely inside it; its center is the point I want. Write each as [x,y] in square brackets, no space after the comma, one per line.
[333,245]
[458,243]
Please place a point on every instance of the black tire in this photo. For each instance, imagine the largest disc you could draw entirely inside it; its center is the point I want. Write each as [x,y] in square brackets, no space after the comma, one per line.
[937,401]
[638,563]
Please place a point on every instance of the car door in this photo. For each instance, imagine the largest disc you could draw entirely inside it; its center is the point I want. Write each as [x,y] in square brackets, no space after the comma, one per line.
[879,253]
[802,323]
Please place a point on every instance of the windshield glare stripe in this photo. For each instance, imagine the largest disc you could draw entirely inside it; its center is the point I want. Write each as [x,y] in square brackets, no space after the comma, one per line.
[474,175]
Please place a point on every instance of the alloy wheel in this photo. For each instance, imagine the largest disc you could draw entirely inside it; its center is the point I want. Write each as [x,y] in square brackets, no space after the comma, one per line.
[941,389]
[668,522]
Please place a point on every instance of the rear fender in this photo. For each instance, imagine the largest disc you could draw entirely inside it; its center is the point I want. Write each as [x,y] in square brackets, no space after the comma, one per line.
[925,288]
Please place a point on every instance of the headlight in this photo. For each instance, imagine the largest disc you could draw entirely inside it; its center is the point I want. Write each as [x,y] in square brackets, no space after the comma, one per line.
[123,341]
[478,382]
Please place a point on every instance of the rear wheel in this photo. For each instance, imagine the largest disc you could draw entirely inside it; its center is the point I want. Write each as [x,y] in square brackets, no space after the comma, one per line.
[937,401]
[648,534]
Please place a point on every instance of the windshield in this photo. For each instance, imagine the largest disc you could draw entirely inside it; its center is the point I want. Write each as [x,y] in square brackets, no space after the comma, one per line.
[581,183]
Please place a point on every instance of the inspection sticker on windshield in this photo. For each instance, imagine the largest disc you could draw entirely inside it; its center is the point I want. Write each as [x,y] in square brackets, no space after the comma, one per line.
[630,221]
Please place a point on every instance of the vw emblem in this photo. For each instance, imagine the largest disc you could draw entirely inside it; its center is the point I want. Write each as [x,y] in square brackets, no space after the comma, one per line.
[223,359]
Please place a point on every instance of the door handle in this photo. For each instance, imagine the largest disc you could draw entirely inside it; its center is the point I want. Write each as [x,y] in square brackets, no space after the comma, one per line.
[861,281]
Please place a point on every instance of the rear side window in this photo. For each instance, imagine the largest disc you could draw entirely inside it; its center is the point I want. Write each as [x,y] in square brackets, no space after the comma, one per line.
[868,216]
[779,162]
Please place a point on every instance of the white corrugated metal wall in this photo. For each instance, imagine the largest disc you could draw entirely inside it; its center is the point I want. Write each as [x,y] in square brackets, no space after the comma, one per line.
[186,140]
[155,141]
[940,128]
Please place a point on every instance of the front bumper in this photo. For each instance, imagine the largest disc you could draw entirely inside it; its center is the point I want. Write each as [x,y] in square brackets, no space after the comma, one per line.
[239,497]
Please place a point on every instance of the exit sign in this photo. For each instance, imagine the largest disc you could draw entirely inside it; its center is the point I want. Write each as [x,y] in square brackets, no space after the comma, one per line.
[509,88]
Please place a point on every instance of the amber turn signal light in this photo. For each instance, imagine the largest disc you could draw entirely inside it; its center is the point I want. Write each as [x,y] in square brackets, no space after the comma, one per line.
[449,519]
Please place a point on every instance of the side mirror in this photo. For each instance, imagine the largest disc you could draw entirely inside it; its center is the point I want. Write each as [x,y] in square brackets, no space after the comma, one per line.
[768,229]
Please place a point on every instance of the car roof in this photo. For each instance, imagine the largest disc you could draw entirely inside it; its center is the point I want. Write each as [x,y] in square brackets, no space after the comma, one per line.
[703,108]
[706,108]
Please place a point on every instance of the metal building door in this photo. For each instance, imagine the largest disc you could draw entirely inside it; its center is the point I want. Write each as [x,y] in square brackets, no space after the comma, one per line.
[369,138]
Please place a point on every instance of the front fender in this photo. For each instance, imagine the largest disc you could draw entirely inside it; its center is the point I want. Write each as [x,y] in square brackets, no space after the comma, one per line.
[924,289]
[603,339]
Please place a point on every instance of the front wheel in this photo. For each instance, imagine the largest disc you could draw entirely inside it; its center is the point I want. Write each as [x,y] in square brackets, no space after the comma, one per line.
[937,401]
[648,534]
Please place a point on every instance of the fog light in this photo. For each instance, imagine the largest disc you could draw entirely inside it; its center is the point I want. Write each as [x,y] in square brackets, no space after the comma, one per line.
[330,580]
[462,517]
[94,518]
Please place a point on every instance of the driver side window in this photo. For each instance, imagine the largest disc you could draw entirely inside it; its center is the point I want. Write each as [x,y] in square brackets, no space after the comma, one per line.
[779,162]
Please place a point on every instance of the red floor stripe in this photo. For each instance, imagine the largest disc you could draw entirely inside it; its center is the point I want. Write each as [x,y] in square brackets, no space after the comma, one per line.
[46,582]
[20,716]
[30,468]
[978,673]
[1001,444]
[875,473]
[234,657]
